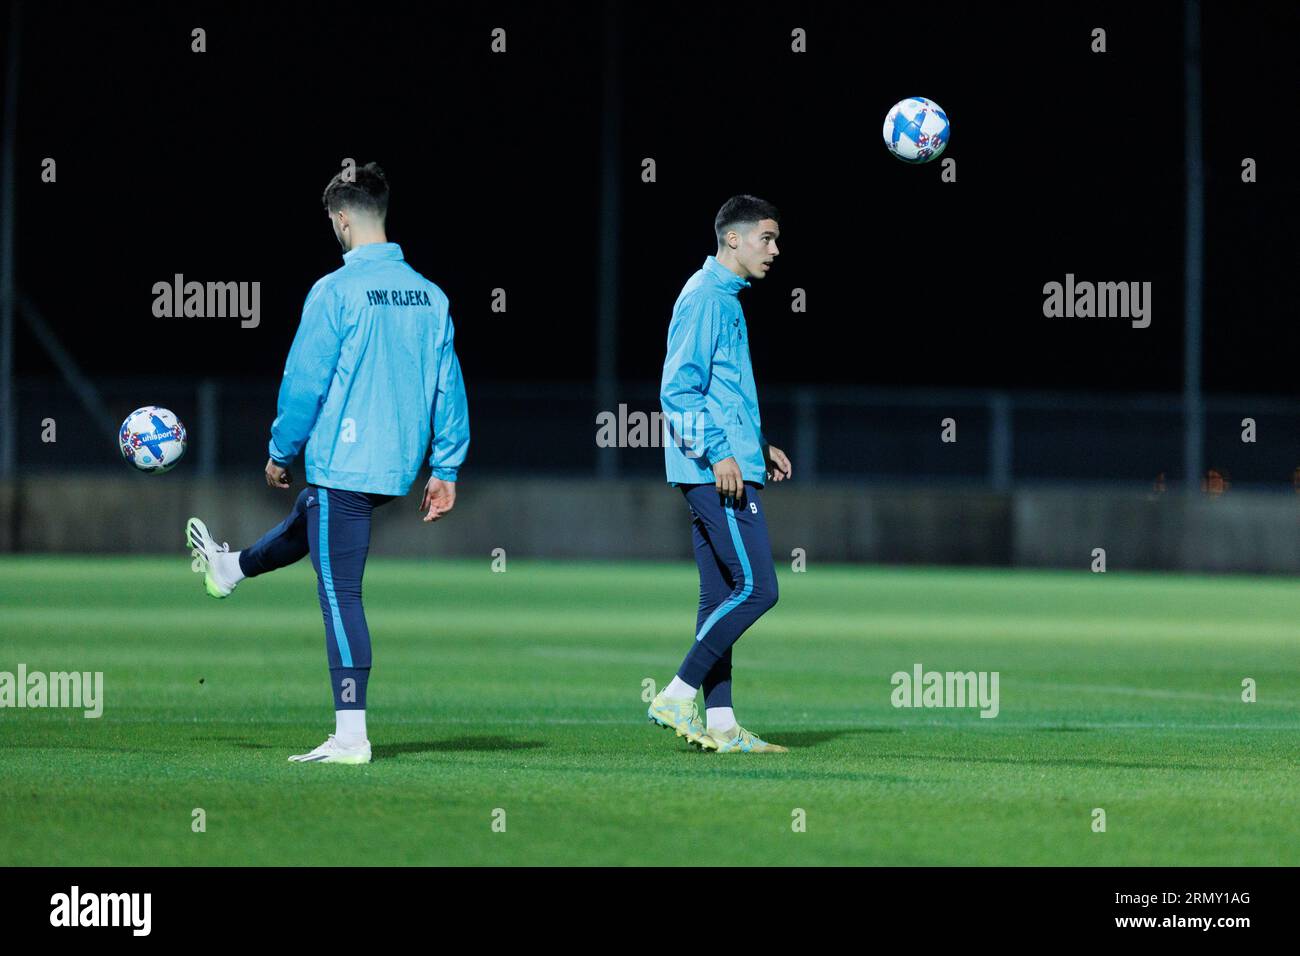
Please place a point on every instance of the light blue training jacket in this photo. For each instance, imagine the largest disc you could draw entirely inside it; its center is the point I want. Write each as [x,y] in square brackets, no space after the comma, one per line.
[707,394]
[371,375]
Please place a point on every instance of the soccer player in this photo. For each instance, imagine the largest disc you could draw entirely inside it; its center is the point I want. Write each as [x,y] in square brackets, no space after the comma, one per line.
[717,455]
[371,375]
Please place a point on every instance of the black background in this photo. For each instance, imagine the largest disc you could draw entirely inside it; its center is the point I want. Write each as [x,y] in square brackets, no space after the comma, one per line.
[1015,903]
[212,165]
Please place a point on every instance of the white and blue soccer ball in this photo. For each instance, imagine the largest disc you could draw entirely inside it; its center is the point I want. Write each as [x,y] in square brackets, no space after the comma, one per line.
[916,130]
[152,439]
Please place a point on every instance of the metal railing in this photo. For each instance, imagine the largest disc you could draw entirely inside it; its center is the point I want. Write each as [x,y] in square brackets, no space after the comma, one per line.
[1002,438]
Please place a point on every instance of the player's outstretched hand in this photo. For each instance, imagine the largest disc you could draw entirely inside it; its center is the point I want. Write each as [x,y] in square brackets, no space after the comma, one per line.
[727,477]
[778,465]
[276,476]
[439,498]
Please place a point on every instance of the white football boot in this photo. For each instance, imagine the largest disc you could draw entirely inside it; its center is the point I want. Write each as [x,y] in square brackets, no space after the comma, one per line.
[333,751]
[214,560]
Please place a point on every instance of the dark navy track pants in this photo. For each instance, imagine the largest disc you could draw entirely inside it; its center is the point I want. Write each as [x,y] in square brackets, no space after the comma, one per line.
[334,528]
[737,583]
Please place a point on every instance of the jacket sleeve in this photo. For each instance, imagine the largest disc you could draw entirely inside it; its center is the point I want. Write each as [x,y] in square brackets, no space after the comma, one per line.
[308,372]
[450,413]
[688,370]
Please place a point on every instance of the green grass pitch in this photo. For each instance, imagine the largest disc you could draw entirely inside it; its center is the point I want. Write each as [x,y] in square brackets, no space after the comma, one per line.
[521,691]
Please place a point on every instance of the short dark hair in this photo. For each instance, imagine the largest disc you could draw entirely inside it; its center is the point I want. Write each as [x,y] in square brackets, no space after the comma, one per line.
[739,209]
[368,192]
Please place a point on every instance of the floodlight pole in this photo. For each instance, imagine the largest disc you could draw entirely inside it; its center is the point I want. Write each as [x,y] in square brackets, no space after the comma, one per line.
[608,256]
[8,291]
[1193,252]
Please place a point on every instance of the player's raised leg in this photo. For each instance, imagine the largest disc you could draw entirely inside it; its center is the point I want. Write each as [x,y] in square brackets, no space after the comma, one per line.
[223,569]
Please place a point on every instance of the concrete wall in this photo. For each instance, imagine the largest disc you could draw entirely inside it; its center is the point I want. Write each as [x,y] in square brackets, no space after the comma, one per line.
[1238,531]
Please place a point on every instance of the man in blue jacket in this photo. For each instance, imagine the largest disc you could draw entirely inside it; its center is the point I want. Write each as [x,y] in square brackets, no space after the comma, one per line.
[715,452]
[371,377]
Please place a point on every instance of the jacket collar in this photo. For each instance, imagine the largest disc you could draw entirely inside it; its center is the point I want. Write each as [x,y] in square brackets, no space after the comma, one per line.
[729,281]
[374,250]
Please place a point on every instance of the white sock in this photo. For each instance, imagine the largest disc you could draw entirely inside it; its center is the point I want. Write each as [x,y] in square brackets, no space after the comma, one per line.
[719,718]
[350,726]
[227,568]
[679,690]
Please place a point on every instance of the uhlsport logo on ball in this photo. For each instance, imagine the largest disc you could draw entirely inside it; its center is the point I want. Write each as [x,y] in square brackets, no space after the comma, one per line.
[916,130]
[152,439]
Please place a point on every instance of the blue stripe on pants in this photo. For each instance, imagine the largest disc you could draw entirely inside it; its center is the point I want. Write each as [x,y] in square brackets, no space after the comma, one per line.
[745,589]
[327,580]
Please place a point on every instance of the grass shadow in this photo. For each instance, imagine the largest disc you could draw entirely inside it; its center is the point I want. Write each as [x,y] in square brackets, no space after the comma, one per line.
[1101,764]
[486,744]
[1067,730]
[243,742]
[811,738]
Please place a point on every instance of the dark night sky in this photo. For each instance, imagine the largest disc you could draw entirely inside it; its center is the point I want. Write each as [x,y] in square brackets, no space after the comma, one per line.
[212,165]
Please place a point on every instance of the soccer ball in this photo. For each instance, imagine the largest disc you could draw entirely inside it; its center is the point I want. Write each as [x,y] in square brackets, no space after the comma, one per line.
[916,130]
[152,439]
